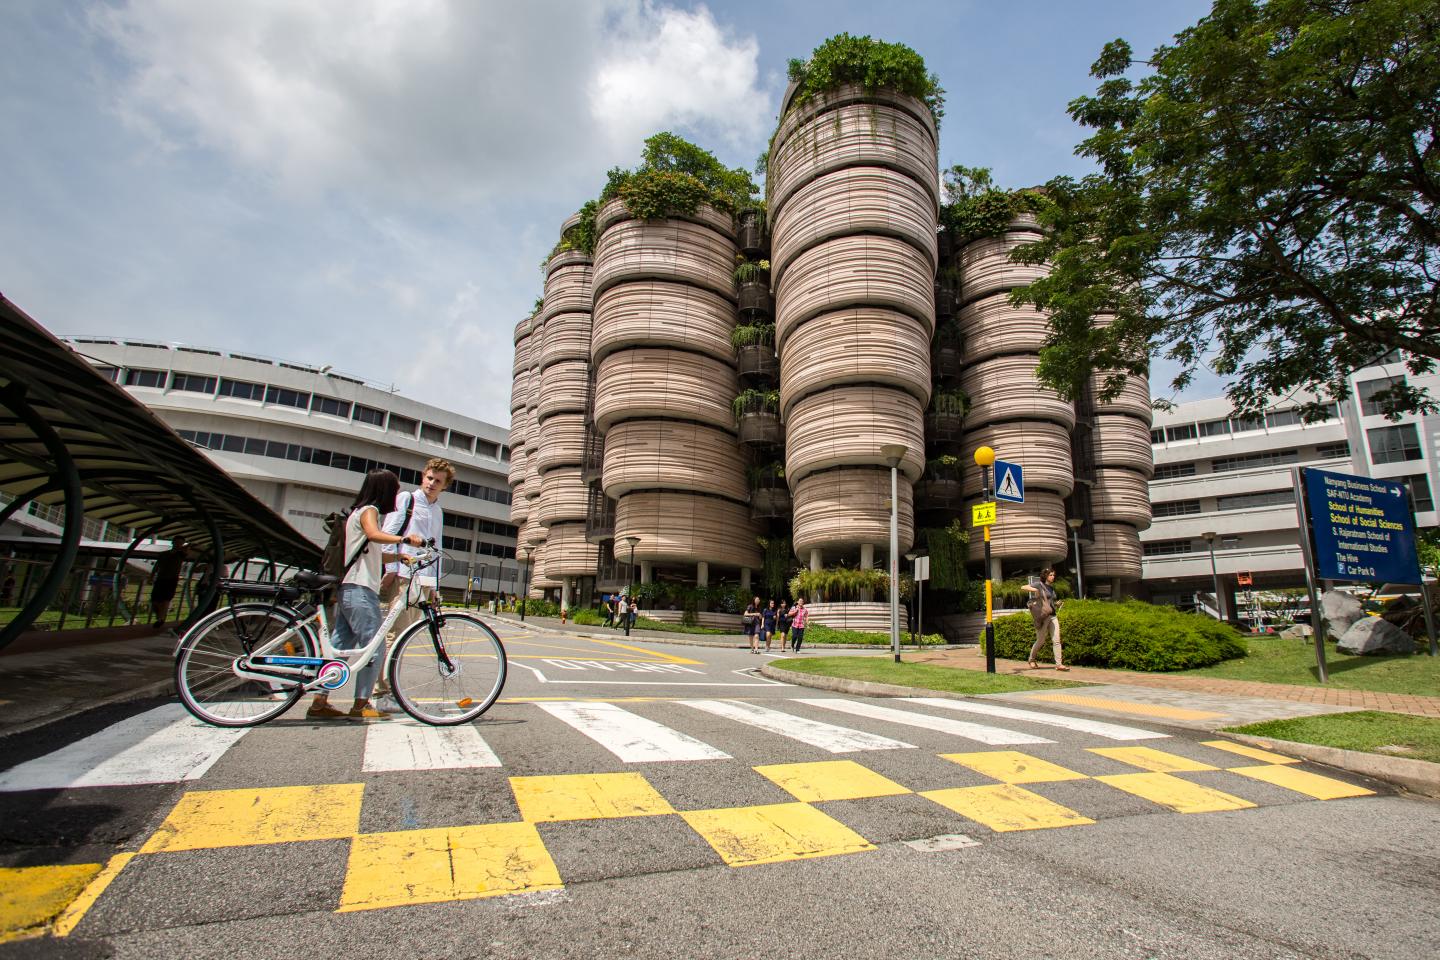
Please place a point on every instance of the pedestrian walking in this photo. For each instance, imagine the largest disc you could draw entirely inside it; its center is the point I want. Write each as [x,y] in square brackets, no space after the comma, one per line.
[165,578]
[622,608]
[750,620]
[799,616]
[768,619]
[609,604]
[782,624]
[357,615]
[1044,607]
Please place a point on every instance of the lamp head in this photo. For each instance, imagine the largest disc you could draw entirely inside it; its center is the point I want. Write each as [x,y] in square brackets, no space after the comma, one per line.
[893,453]
[632,541]
[1074,523]
[1208,536]
[984,457]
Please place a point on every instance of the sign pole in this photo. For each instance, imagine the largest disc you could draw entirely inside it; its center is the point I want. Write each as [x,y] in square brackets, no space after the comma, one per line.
[989,590]
[1420,578]
[1317,618]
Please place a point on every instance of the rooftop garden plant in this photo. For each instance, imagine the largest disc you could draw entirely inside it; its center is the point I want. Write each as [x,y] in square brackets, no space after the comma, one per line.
[870,63]
[975,207]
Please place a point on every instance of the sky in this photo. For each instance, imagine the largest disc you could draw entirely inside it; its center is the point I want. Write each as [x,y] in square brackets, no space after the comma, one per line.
[372,184]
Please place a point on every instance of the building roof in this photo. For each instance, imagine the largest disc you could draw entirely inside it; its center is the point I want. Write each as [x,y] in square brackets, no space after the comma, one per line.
[134,470]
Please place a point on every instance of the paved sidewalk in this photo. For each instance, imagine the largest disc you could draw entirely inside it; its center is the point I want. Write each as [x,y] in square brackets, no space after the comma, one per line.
[40,686]
[1200,690]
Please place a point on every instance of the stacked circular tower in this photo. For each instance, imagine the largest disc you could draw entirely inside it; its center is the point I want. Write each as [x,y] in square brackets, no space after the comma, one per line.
[1124,462]
[1009,410]
[852,183]
[665,382]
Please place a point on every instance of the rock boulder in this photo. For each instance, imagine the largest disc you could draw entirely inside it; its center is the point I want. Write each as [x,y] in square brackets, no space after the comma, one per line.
[1297,631]
[1373,635]
[1341,611]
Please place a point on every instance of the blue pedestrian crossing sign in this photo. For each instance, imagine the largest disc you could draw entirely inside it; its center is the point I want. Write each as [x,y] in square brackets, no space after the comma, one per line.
[1009,482]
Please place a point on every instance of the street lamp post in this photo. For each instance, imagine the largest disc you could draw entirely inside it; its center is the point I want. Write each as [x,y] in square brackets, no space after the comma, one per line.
[985,459]
[893,454]
[524,557]
[631,588]
[1075,523]
[1214,575]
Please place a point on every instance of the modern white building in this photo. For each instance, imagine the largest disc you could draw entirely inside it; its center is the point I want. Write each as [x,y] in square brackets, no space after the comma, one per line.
[302,437]
[1226,482]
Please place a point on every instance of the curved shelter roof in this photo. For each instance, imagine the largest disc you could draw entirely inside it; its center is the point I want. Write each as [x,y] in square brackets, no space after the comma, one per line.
[133,470]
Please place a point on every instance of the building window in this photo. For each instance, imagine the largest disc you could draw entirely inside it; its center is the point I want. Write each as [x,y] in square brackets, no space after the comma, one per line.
[1169,471]
[1333,451]
[1367,390]
[135,377]
[1169,548]
[335,408]
[1282,418]
[192,383]
[1215,428]
[370,415]
[431,432]
[405,425]
[1157,435]
[1175,508]
[287,398]
[109,373]
[1270,458]
[1242,424]
[1248,501]
[461,441]
[1394,444]
[459,521]
[505,453]
[455,544]
[1185,431]
[241,389]
[1419,492]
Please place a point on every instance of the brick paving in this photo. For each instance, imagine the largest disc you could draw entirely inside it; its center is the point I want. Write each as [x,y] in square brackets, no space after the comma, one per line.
[970,658]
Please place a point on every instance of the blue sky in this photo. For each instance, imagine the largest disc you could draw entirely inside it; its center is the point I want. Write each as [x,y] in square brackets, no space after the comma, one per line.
[372,183]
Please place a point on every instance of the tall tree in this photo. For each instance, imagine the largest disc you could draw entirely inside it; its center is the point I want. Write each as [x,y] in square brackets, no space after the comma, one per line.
[1265,203]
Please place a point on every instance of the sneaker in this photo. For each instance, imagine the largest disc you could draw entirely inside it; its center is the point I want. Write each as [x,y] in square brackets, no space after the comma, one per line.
[387,703]
[323,711]
[366,714]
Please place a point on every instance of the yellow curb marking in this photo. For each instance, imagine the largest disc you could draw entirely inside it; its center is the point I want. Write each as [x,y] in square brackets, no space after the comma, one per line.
[830,780]
[1148,758]
[1254,753]
[236,818]
[1179,795]
[1012,766]
[1128,706]
[774,833]
[447,863]
[1310,784]
[73,914]
[1004,807]
[587,796]
[655,654]
[30,897]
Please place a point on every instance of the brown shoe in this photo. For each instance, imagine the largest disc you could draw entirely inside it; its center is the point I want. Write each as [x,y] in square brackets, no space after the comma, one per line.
[368,713]
[323,711]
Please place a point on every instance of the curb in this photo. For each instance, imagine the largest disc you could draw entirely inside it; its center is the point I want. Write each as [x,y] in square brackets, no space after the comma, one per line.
[734,642]
[861,688]
[1417,776]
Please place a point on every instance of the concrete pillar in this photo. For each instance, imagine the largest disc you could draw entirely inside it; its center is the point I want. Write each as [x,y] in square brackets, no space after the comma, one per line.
[867,562]
[1117,591]
[745,579]
[645,571]
[702,580]
[817,561]
[565,594]
[996,573]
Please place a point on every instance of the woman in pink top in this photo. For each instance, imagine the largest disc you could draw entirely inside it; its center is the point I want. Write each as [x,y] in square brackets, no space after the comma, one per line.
[799,616]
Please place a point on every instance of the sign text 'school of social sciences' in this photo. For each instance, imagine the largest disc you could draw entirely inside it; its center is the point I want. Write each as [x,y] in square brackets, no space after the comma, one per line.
[1363,528]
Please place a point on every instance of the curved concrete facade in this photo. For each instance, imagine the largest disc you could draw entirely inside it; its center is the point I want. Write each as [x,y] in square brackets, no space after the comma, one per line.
[985,267]
[1122,441]
[678,527]
[1115,552]
[1032,532]
[993,327]
[864,270]
[700,254]
[660,313]
[564,386]
[1005,389]
[1042,448]
[562,498]
[847,426]
[837,508]
[672,455]
[1133,399]
[562,442]
[864,345]
[648,383]
[1120,496]
[568,553]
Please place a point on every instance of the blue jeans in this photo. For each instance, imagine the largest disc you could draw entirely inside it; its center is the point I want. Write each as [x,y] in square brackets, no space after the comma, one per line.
[356,620]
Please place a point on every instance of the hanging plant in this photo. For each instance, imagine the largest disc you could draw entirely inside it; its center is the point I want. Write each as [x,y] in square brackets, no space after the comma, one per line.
[753,334]
[948,548]
[777,562]
[950,402]
[753,271]
[753,401]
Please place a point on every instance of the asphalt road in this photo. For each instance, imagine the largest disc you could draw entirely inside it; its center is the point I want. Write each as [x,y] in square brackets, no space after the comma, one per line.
[653,801]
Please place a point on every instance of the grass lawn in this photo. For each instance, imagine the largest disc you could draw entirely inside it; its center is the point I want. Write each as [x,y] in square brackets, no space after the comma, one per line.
[1394,734]
[921,675]
[1278,660]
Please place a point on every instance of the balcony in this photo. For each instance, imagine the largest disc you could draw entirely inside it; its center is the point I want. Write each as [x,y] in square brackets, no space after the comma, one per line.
[750,236]
[769,493]
[592,458]
[944,426]
[940,487]
[599,516]
[945,362]
[757,360]
[755,299]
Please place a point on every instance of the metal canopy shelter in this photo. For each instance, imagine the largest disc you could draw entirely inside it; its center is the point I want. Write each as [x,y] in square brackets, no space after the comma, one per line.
[71,437]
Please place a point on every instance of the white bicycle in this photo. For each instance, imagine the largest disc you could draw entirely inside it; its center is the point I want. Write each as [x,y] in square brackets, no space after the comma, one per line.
[249,662]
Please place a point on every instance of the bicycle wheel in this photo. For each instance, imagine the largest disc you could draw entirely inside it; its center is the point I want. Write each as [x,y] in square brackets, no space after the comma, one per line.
[204,664]
[434,693]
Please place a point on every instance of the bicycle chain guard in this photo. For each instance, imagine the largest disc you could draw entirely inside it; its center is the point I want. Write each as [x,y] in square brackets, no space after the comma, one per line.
[333,674]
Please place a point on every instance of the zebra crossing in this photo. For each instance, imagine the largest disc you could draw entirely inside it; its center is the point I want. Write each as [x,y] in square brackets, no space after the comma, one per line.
[165,744]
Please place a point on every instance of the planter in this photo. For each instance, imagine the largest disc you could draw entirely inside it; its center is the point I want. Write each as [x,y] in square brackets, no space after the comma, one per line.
[939,494]
[945,363]
[770,502]
[944,427]
[750,237]
[761,427]
[757,360]
[755,298]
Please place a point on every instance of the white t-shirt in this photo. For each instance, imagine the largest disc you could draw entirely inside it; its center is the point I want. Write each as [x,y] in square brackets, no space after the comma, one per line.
[427,519]
[366,570]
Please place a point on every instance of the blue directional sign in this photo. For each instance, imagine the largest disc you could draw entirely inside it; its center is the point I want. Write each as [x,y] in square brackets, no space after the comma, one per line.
[1363,529]
[1009,482]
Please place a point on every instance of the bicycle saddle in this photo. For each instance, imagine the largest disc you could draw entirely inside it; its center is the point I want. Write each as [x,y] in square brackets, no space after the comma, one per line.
[311,580]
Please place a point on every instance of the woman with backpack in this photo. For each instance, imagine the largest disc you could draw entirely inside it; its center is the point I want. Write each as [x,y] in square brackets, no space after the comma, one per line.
[1043,609]
[357,612]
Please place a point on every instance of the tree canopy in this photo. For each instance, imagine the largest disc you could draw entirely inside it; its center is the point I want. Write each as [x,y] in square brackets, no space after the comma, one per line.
[1265,203]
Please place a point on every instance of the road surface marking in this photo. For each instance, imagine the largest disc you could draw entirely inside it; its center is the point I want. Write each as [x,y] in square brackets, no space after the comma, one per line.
[1128,706]
[994,736]
[1004,807]
[1110,731]
[942,843]
[404,744]
[657,654]
[587,796]
[1254,753]
[444,864]
[1310,784]
[30,897]
[204,819]
[163,745]
[1156,761]
[73,914]
[1179,795]
[826,736]
[830,780]
[541,678]
[1012,766]
[632,738]
[774,833]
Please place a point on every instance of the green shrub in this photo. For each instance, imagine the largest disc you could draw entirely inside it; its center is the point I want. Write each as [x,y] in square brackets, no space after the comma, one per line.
[1131,635]
[539,608]
[587,617]
[871,63]
[817,633]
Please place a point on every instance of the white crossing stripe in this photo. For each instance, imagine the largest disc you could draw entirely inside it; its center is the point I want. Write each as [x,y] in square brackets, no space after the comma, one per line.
[826,736]
[1110,731]
[632,738]
[406,744]
[960,728]
[163,745]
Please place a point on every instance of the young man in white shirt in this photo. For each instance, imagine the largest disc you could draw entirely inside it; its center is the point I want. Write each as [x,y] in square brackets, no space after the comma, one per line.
[427,520]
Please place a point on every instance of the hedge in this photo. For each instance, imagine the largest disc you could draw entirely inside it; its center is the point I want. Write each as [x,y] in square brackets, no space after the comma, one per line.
[819,633]
[1131,635]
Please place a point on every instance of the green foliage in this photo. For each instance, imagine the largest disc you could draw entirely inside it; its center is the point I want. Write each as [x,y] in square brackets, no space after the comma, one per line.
[752,271]
[539,608]
[948,548]
[1129,635]
[587,617]
[750,334]
[873,64]
[1265,205]
[819,633]
[778,562]
[842,584]
[645,623]
[1427,543]
[751,400]
[975,207]
[942,462]
[676,177]
[955,402]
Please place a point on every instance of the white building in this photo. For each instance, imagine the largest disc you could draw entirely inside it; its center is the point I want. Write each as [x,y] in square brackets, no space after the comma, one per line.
[1231,477]
[301,438]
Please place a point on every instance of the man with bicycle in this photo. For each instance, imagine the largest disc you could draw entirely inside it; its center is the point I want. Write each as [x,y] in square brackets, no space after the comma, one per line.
[417,511]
